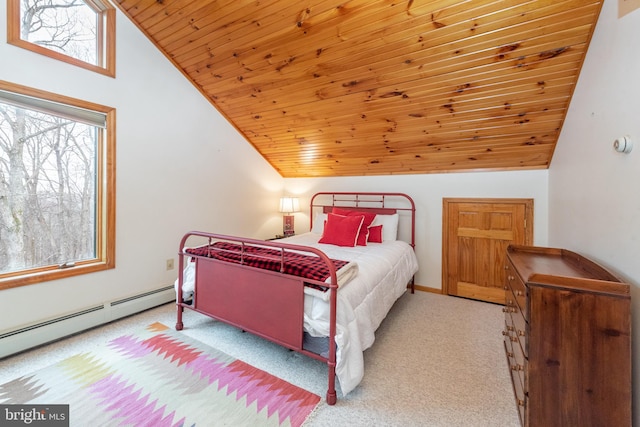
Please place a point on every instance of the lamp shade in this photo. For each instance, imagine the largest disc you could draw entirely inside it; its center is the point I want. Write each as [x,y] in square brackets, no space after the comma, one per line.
[289,204]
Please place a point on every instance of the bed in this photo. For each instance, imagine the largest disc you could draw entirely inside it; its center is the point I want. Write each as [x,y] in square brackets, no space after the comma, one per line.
[322,293]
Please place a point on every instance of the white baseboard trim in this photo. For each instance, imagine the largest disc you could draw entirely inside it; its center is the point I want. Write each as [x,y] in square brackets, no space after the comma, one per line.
[18,340]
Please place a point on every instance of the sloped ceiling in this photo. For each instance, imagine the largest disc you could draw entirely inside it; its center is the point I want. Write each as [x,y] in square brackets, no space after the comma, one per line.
[375,87]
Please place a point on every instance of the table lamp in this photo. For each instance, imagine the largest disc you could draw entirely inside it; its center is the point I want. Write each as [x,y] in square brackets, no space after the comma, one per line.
[288,205]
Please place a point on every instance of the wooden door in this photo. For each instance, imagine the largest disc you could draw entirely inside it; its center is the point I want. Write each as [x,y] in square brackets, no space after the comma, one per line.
[476,233]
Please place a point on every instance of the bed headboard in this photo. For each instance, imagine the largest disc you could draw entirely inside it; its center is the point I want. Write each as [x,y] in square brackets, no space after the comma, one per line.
[378,203]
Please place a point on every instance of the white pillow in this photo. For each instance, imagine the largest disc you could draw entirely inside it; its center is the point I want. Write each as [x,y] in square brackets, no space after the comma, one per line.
[389,226]
[318,223]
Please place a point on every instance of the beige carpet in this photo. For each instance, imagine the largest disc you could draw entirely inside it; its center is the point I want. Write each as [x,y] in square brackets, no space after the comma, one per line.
[437,361]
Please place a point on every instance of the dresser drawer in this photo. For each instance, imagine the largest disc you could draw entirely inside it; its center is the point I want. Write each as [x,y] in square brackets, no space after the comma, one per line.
[520,330]
[509,337]
[519,364]
[518,386]
[521,400]
[518,289]
[516,324]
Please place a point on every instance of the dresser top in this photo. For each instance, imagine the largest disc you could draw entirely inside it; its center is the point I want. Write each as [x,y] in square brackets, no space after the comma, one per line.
[560,267]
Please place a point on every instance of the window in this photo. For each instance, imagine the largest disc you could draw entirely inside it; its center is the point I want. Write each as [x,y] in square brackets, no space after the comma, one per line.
[79,32]
[57,195]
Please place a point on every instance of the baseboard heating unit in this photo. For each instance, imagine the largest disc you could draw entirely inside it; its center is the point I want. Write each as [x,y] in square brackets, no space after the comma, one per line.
[15,341]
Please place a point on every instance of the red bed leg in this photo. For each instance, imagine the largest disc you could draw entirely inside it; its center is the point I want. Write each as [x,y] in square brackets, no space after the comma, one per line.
[179,324]
[331,398]
[331,391]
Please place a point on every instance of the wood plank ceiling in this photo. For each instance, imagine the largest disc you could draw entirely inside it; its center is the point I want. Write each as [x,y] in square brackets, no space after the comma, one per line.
[378,87]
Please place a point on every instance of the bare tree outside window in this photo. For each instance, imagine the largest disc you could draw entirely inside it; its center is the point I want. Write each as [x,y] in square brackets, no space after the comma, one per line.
[79,32]
[47,189]
[65,26]
[57,195]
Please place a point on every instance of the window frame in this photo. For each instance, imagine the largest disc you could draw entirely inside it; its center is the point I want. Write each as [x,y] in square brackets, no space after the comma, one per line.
[105,198]
[106,37]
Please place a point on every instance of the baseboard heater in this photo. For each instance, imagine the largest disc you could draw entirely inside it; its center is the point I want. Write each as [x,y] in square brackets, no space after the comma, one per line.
[31,336]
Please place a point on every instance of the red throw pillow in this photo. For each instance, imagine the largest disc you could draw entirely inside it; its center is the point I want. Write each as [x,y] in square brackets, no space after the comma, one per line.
[375,234]
[341,230]
[364,228]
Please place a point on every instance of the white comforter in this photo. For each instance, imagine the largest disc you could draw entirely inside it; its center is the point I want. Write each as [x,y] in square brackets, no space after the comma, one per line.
[384,269]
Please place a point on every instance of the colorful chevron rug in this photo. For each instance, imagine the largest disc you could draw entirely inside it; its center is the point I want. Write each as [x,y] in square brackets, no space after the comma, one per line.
[160,377]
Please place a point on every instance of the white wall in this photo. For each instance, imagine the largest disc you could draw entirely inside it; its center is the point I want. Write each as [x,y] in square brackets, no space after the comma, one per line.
[428,192]
[594,201]
[180,166]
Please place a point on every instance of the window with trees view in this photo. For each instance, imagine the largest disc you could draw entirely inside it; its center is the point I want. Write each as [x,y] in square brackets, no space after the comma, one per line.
[80,32]
[56,186]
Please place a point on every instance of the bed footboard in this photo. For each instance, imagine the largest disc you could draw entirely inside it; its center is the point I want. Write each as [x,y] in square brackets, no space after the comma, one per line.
[264,302]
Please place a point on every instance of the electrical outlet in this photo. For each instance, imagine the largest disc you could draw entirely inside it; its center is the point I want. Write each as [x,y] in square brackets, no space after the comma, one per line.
[170,264]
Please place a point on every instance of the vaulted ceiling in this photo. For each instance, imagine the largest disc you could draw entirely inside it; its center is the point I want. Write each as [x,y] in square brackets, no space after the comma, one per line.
[379,87]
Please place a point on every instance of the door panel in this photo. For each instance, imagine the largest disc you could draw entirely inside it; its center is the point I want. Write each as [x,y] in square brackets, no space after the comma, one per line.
[476,233]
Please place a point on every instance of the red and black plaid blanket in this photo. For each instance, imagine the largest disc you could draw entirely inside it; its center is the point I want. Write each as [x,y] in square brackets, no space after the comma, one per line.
[293,263]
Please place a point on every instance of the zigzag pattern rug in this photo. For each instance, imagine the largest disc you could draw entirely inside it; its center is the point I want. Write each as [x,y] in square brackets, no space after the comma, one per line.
[160,377]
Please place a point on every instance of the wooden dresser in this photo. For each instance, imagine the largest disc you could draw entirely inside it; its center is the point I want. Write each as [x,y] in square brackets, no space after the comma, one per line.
[567,338]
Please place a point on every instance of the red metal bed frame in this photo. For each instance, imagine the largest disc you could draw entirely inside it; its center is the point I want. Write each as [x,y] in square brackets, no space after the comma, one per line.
[229,292]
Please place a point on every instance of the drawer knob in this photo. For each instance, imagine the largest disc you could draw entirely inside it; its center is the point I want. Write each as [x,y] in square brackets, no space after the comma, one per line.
[521,333]
[520,402]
